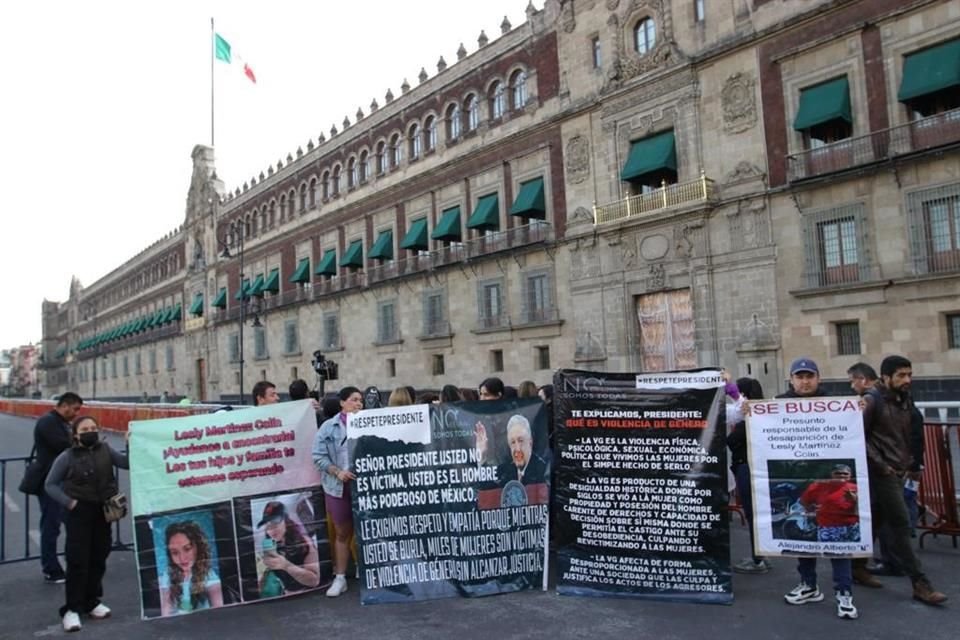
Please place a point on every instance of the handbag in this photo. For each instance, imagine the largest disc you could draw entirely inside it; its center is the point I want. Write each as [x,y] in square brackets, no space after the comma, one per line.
[115,508]
[34,476]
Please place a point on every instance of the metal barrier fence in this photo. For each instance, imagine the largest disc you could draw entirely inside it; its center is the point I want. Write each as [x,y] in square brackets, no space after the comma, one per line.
[18,506]
[937,495]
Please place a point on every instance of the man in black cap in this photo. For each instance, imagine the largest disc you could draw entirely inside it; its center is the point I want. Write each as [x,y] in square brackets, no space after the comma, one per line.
[805,383]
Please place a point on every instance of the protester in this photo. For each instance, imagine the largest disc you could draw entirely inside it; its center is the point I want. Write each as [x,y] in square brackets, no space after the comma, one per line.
[400,397]
[888,423]
[82,480]
[862,377]
[264,392]
[293,556]
[491,389]
[51,437]
[450,393]
[428,397]
[329,407]
[371,398]
[412,392]
[469,395]
[331,457]
[748,389]
[805,383]
[527,389]
[299,390]
[191,581]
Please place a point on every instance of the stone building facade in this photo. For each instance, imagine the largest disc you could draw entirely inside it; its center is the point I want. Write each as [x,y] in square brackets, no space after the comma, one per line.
[612,185]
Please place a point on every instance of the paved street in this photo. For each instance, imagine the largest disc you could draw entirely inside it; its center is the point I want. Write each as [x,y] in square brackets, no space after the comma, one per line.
[28,606]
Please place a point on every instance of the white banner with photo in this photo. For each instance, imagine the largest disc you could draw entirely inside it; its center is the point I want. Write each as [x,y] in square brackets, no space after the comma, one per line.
[808,470]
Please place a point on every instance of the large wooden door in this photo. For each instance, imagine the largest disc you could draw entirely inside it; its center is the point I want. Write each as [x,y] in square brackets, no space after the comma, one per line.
[666,331]
[201,380]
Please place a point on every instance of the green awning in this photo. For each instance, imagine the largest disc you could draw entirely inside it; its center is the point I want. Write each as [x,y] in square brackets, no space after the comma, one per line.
[220,302]
[353,256]
[328,265]
[62,351]
[159,317]
[530,201]
[449,226]
[382,249]
[930,70]
[487,213]
[244,291]
[176,313]
[824,102]
[257,288]
[648,155]
[273,281]
[196,308]
[416,238]
[302,274]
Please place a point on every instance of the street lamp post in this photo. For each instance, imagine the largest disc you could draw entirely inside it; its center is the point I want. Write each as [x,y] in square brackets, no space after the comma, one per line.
[225,253]
[91,313]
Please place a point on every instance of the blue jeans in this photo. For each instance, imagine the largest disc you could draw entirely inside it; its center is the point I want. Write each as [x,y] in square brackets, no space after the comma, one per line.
[51,514]
[842,572]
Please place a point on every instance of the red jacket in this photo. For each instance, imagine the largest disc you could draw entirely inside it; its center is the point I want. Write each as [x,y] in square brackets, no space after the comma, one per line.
[835,503]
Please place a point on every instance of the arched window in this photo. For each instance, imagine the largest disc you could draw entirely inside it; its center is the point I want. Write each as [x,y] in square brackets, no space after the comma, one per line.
[246,227]
[496,101]
[263,218]
[645,35]
[326,185]
[414,136]
[364,166]
[396,151]
[454,122]
[335,187]
[313,192]
[473,113]
[291,203]
[353,173]
[231,240]
[303,197]
[381,158]
[518,89]
[283,208]
[430,131]
[252,221]
[272,215]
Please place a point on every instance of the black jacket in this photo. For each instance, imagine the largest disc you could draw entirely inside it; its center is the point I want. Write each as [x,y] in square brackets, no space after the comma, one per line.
[51,435]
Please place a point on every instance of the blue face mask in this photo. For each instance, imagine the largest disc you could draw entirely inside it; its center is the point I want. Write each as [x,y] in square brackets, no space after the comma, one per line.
[89,438]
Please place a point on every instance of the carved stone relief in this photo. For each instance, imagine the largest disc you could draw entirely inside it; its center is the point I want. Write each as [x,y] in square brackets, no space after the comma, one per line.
[626,63]
[748,225]
[654,247]
[581,215]
[744,172]
[567,18]
[588,347]
[658,277]
[578,160]
[739,103]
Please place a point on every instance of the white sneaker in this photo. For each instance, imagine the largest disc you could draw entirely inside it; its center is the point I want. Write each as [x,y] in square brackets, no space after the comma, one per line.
[71,621]
[845,608]
[100,612]
[804,593]
[338,587]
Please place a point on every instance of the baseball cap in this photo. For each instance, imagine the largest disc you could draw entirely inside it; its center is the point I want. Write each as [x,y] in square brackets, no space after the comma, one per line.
[840,468]
[804,364]
[273,512]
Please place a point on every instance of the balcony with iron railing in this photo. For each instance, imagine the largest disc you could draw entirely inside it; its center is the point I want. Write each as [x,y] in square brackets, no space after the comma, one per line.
[667,197]
[536,316]
[917,136]
[492,322]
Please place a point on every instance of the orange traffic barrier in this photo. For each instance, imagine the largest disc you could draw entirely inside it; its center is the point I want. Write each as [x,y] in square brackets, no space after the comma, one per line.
[113,416]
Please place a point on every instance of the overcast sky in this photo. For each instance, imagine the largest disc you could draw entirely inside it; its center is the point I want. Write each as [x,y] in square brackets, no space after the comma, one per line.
[104,100]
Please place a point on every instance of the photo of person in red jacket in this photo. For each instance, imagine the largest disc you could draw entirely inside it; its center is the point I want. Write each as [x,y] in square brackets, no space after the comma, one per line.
[834,503]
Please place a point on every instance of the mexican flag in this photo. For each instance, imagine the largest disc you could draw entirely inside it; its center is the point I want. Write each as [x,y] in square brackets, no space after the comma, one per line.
[224,52]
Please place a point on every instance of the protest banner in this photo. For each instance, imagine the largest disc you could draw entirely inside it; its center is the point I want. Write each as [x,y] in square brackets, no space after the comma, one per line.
[808,469]
[227,508]
[450,499]
[641,490]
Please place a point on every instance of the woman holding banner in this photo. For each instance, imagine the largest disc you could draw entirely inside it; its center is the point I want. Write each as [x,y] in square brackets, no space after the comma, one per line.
[331,457]
[82,481]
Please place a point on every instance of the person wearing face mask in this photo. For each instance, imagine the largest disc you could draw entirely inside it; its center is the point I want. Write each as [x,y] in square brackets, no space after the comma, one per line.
[81,480]
[331,457]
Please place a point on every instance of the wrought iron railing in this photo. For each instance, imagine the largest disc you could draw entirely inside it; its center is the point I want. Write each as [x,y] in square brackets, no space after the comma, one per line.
[916,136]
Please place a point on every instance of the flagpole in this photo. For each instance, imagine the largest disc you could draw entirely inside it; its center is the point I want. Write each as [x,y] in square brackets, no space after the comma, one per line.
[213,45]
